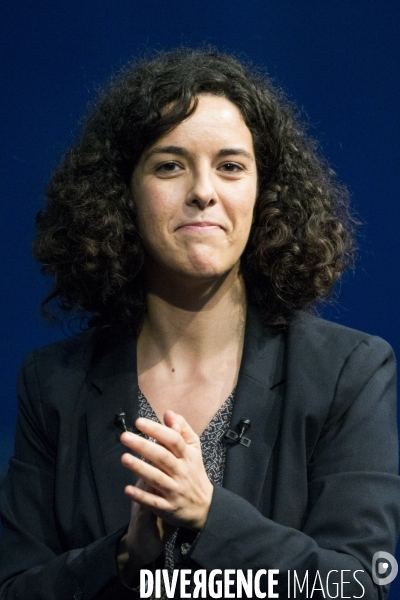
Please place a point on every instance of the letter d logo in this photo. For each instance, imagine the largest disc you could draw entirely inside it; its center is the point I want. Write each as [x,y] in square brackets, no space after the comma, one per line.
[383,567]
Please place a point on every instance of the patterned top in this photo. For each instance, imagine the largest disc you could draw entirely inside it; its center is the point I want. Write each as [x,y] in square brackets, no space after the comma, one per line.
[213,451]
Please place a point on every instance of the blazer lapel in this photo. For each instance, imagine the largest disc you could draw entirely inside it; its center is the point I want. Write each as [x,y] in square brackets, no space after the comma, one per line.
[112,387]
[258,397]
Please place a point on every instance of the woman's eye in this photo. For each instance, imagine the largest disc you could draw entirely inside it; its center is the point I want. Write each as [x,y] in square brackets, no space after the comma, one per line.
[168,167]
[231,167]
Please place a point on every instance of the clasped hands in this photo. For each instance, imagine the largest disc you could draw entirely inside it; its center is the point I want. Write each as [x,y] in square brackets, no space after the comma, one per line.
[173,487]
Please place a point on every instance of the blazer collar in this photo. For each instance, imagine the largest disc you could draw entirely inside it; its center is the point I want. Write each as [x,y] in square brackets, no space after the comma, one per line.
[258,397]
[113,387]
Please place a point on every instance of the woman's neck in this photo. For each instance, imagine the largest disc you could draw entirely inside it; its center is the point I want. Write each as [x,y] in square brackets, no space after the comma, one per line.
[192,322]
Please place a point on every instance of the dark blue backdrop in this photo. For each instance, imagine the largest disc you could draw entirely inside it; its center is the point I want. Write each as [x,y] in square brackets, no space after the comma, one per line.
[339,60]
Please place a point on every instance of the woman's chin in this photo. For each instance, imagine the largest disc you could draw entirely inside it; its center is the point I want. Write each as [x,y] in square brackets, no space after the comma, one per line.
[199,267]
[206,270]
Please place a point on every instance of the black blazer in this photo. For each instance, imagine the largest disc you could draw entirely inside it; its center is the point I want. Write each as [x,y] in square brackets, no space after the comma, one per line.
[316,490]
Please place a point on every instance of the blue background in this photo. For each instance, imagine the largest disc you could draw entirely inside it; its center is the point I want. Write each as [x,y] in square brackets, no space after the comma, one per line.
[338,59]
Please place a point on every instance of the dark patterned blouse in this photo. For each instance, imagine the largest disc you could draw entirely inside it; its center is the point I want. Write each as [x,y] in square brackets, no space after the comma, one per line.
[213,451]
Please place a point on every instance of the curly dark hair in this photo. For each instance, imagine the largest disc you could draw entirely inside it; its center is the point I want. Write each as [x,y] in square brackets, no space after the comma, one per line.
[302,237]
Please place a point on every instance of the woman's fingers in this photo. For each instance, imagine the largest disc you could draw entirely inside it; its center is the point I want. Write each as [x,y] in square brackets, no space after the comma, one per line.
[174,436]
[180,425]
[155,453]
[165,530]
[164,435]
[152,476]
[158,455]
[156,503]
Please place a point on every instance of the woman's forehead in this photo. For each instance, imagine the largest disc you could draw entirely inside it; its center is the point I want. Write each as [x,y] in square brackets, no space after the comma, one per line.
[215,122]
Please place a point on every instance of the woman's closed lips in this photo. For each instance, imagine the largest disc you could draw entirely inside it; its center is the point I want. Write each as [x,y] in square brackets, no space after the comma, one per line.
[196,225]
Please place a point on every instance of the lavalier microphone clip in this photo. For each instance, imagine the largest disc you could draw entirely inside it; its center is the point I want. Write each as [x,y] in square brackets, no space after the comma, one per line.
[232,437]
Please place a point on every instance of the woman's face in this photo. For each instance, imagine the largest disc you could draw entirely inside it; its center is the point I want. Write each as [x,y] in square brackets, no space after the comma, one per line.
[195,191]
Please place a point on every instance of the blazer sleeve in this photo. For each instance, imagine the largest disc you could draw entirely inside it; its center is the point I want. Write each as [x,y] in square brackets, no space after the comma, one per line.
[33,562]
[354,492]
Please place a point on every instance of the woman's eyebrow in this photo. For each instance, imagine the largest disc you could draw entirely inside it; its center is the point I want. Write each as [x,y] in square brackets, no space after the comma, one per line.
[166,150]
[178,150]
[235,152]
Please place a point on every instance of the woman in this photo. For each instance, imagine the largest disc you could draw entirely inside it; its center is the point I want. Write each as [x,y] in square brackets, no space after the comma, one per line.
[194,222]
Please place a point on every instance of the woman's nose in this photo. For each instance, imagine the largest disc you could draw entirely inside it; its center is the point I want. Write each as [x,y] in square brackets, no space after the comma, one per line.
[202,191]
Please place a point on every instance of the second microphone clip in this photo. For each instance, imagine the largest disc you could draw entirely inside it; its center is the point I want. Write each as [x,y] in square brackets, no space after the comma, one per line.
[237,437]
